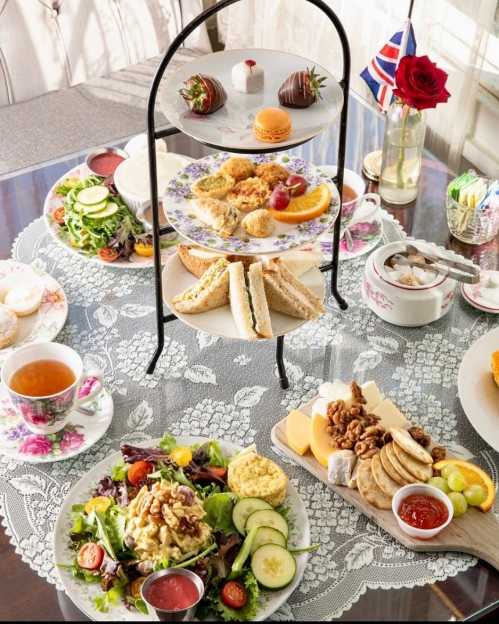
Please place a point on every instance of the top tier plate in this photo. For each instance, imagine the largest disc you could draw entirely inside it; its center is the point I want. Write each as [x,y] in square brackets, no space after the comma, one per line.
[230,128]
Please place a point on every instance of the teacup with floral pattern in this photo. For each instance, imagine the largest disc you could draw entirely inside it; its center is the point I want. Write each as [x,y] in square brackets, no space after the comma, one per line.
[49,414]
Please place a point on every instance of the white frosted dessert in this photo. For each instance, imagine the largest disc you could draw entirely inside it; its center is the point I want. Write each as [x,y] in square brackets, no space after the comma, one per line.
[247,77]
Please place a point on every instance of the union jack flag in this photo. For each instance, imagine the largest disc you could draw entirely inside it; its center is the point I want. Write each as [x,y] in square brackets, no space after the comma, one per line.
[380,73]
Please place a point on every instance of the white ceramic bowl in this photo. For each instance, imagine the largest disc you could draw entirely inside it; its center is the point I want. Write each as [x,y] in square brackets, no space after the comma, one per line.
[421,488]
[406,306]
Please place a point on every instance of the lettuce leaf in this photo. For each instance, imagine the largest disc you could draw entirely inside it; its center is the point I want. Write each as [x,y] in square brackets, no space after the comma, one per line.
[212,605]
[218,509]
[215,454]
[168,443]
[119,472]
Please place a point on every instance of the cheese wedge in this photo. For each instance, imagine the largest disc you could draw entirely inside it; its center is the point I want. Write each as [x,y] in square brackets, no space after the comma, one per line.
[320,441]
[371,394]
[390,415]
[298,431]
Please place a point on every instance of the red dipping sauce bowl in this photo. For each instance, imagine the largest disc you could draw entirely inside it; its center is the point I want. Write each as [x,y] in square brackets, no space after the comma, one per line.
[422,511]
[104,161]
[173,594]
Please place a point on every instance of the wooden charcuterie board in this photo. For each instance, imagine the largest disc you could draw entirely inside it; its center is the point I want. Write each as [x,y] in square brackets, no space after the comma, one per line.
[475,533]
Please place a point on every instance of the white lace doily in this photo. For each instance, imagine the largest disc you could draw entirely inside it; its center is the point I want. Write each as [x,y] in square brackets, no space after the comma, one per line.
[228,389]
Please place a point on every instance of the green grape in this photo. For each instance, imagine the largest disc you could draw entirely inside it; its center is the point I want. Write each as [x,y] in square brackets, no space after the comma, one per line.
[440,483]
[459,503]
[447,469]
[456,481]
[475,495]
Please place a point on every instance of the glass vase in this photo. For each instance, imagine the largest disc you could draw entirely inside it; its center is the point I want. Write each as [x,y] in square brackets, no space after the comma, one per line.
[402,153]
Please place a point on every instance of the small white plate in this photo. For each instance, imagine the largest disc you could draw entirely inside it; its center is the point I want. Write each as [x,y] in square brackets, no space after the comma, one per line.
[477,390]
[53,201]
[220,322]
[483,296]
[77,436]
[82,593]
[44,324]
[231,127]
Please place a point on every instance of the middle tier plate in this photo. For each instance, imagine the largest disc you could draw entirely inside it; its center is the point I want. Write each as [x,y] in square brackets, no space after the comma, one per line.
[178,206]
[220,322]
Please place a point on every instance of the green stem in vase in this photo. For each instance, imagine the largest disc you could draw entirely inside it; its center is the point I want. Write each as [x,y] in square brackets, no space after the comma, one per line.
[401,158]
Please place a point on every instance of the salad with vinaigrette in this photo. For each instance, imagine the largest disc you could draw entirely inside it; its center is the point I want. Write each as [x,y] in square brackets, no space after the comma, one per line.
[186,507]
[95,220]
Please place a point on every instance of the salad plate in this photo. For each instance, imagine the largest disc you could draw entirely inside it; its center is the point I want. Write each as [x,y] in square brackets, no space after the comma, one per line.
[113,480]
[87,244]
[231,127]
[179,205]
[45,323]
[77,436]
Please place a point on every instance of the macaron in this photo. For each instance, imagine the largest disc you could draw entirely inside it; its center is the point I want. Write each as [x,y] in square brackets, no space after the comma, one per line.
[272,125]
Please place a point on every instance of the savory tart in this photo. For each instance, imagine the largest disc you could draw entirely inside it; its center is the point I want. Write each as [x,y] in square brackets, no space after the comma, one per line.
[249,194]
[215,186]
[272,173]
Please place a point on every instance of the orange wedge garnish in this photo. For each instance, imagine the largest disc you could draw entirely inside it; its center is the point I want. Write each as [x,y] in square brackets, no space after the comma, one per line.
[495,366]
[474,476]
[306,207]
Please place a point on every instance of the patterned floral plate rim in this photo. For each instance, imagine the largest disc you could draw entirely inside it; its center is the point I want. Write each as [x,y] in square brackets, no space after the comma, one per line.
[220,322]
[44,324]
[477,294]
[477,391]
[77,436]
[231,127]
[53,201]
[178,197]
[81,593]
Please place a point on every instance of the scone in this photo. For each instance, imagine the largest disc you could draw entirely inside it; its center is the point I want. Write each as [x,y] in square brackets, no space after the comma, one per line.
[24,299]
[239,168]
[272,173]
[249,194]
[214,186]
[258,223]
[8,326]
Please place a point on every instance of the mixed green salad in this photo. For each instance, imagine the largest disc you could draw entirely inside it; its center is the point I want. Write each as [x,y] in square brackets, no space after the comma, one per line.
[171,507]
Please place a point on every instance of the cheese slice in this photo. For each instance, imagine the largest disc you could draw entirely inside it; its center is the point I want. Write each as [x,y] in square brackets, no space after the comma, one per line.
[320,441]
[298,431]
[320,407]
[390,415]
[336,391]
[340,466]
[371,394]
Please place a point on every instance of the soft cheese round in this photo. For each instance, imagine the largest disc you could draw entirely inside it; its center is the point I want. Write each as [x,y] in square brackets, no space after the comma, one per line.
[8,326]
[24,299]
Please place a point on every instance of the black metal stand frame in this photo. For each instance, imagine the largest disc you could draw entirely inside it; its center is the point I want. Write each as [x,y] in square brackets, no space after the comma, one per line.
[153,134]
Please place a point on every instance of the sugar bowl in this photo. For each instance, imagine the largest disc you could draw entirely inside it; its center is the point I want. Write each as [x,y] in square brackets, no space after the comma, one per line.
[413,288]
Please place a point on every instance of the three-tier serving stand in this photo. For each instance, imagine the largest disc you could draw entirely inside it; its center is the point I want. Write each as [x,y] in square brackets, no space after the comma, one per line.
[153,134]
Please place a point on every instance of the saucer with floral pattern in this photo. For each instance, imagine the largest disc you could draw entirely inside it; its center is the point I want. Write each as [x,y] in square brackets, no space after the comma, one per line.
[77,436]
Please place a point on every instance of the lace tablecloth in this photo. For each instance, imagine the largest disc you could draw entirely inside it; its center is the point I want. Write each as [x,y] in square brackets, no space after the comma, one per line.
[205,385]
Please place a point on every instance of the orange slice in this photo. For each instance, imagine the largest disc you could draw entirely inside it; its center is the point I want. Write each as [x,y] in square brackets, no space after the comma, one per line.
[495,366]
[474,476]
[306,207]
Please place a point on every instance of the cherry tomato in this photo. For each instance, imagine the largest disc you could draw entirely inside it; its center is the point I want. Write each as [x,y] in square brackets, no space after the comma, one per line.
[138,471]
[108,254]
[280,198]
[90,556]
[58,215]
[234,595]
[218,471]
[297,185]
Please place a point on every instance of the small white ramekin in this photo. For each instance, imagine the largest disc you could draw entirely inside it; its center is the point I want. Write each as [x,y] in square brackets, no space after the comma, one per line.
[421,488]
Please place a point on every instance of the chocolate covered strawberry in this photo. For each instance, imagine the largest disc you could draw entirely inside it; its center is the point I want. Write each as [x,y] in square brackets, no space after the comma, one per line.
[203,94]
[301,89]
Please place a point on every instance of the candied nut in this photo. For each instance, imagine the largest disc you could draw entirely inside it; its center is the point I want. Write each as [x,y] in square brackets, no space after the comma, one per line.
[438,453]
[387,437]
[418,434]
[368,454]
[357,395]
[372,431]
[347,444]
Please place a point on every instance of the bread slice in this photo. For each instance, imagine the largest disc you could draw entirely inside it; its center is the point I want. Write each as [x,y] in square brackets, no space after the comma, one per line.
[196,259]
[260,308]
[240,302]
[209,292]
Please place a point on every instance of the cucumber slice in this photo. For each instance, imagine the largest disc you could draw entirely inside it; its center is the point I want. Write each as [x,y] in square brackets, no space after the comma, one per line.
[267,535]
[267,518]
[110,209]
[93,208]
[79,207]
[243,510]
[93,195]
[274,567]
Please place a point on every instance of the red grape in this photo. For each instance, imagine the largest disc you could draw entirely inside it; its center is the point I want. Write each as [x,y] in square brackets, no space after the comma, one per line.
[280,198]
[297,185]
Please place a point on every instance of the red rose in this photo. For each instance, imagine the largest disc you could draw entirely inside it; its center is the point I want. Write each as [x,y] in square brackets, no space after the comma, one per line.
[420,83]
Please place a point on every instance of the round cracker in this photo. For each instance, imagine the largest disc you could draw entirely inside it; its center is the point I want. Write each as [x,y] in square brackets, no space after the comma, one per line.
[397,466]
[406,442]
[383,480]
[421,471]
[368,488]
